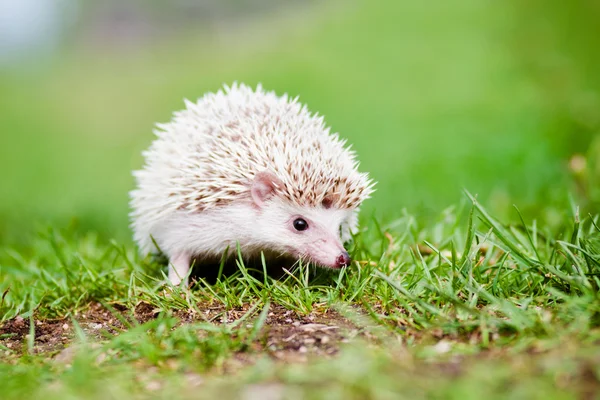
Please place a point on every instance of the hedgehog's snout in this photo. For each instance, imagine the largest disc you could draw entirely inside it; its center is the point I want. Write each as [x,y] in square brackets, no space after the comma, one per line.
[343,260]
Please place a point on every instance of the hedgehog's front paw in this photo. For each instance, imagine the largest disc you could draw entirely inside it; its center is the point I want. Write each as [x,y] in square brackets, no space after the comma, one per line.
[179,268]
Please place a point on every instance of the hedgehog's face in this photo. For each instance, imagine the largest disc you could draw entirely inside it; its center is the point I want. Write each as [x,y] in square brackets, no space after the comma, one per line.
[311,233]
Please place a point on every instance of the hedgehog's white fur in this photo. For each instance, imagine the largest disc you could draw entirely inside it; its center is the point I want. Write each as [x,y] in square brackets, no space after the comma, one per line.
[237,168]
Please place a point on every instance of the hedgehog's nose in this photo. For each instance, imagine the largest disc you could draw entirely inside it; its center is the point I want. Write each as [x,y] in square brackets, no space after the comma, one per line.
[343,260]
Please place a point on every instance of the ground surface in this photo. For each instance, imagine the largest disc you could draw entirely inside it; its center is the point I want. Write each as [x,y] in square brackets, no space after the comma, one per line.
[287,336]
[465,308]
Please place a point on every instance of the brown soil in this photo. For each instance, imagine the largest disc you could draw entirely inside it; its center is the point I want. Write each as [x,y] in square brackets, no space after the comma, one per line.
[285,336]
[50,335]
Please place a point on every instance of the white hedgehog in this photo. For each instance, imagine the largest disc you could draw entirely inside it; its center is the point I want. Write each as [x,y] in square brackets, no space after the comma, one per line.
[247,168]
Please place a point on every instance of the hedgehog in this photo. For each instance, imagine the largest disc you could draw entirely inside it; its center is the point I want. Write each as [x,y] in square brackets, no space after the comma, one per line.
[247,170]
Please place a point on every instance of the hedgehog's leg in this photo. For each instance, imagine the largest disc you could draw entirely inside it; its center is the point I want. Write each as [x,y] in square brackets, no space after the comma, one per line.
[179,266]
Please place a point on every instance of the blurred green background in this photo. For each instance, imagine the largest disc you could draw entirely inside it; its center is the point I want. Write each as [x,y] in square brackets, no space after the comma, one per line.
[501,98]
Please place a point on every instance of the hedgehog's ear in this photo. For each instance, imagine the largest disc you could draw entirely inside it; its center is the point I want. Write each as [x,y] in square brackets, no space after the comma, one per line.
[263,187]
[329,200]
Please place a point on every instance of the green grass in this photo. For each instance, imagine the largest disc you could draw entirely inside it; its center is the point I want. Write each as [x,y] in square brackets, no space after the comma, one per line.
[450,310]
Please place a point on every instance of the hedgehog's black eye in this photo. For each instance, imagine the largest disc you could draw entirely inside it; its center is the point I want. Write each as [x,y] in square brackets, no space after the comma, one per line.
[300,224]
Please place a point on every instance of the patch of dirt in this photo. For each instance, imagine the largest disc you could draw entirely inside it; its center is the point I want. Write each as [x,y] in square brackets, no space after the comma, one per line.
[50,335]
[285,336]
[53,335]
[291,336]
